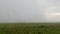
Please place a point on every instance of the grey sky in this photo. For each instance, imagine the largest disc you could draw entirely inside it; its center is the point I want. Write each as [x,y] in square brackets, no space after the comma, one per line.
[25,10]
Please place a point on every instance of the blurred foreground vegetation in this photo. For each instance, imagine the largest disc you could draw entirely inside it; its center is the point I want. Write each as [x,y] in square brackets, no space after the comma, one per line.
[29,28]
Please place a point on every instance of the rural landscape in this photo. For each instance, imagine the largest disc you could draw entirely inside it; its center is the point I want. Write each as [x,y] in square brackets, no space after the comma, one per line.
[29,28]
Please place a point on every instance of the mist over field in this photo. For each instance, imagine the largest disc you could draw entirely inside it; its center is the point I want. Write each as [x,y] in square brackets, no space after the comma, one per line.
[28,10]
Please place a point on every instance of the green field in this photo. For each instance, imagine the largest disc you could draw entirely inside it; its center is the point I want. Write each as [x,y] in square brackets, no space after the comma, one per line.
[29,28]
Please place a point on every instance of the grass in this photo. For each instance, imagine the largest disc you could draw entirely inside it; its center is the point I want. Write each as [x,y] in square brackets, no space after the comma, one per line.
[29,28]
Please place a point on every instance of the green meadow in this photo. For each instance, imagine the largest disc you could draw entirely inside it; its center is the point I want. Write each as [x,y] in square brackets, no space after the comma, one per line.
[29,28]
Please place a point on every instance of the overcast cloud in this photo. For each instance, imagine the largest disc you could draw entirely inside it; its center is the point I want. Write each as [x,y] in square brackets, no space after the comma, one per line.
[25,10]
